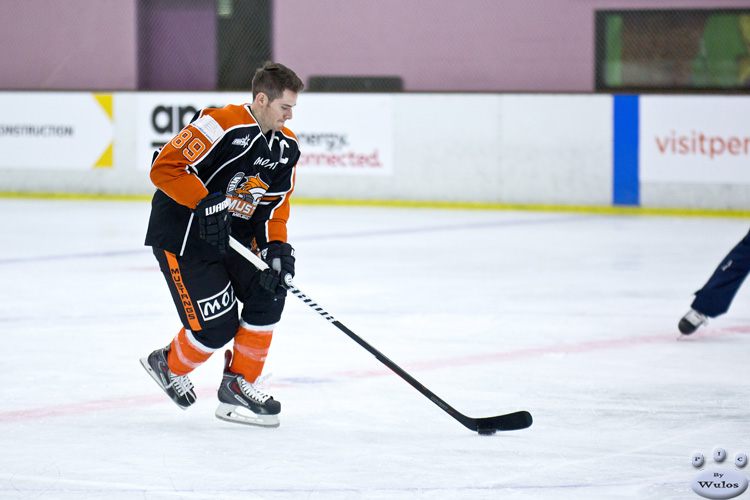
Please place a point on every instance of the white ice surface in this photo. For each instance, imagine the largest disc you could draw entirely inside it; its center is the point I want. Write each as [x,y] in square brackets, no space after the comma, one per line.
[571,317]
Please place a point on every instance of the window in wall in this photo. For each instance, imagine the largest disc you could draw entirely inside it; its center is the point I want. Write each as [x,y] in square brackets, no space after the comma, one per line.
[244,41]
[202,44]
[673,50]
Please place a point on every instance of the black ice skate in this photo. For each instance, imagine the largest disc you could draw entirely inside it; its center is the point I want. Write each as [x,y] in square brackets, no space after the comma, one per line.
[242,402]
[178,388]
[691,321]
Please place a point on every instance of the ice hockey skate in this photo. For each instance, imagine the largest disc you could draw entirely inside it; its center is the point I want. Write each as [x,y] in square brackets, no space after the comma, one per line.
[241,402]
[691,321]
[178,387]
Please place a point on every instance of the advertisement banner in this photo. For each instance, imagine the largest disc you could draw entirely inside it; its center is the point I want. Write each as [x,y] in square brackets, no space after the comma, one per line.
[56,130]
[698,139]
[338,133]
[349,134]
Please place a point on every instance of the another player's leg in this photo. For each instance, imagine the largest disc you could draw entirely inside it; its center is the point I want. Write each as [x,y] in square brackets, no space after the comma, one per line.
[717,294]
[691,321]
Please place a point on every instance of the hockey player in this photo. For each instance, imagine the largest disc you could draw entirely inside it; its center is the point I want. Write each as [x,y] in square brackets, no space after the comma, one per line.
[230,170]
[717,294]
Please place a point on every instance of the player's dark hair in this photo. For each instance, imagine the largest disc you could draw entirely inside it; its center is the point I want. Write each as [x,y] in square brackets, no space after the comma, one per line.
[273,79]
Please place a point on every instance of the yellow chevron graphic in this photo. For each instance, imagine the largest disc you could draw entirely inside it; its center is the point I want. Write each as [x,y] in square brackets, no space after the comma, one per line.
[105,101]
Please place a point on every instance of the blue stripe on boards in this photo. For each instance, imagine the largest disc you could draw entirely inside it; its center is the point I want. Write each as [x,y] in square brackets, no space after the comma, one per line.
[625,189]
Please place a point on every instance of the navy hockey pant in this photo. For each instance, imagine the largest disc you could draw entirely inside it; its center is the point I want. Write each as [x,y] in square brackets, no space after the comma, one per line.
[719,291]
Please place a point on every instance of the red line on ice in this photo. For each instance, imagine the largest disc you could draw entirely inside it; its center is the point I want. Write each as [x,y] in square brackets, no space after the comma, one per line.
[134,401]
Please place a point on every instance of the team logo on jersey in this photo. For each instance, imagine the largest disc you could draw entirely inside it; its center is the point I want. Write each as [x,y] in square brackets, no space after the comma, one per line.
[245,192]
[243,141]
[253,187]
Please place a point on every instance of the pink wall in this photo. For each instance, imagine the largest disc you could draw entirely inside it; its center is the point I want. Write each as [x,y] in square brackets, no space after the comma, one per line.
[435,45]
[71,44]
[471,45]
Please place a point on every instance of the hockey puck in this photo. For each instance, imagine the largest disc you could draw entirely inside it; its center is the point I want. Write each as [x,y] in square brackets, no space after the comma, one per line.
[486,432]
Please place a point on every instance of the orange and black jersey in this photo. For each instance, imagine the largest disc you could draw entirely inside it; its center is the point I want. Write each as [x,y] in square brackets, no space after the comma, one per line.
[222,151]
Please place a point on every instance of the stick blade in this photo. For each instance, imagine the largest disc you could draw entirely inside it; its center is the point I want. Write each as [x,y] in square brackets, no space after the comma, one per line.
[508,422]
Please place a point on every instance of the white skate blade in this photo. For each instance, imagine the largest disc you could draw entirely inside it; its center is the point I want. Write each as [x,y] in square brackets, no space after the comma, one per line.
[241,415]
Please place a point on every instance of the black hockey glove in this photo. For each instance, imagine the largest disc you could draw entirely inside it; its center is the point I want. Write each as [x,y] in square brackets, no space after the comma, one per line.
[214,220]
[280,259]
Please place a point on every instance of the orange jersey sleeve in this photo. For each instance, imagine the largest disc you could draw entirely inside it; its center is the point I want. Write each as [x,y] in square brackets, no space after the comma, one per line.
[171,171]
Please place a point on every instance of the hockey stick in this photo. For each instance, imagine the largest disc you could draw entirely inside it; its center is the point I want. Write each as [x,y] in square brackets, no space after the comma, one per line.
[486,425]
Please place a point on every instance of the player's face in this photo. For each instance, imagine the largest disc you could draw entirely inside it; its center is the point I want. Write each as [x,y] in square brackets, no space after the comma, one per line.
[274,114]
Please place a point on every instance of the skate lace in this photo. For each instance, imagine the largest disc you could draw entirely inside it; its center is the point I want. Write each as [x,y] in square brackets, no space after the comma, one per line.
[180,383]
[251,390]
[696,318]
